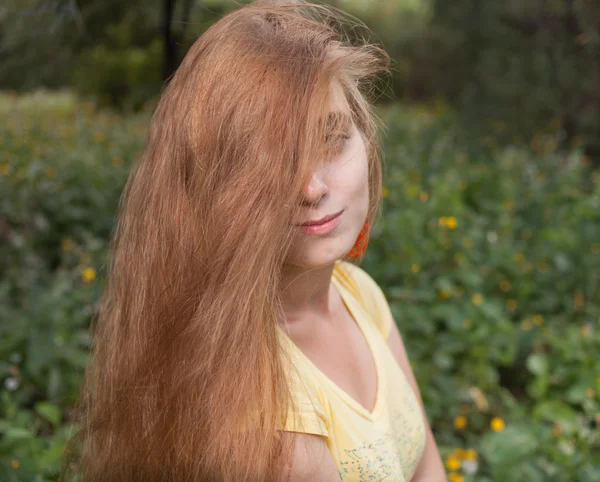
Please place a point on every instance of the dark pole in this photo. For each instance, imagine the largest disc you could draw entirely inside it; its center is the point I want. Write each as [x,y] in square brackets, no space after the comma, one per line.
[169,63]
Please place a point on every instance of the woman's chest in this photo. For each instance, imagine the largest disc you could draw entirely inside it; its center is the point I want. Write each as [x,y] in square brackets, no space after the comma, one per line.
[387,448]
[345,358]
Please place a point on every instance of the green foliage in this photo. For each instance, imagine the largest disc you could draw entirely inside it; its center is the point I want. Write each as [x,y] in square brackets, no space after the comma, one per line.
[510,67]
[62,167]
[489,258]
[125,78]
[490,261]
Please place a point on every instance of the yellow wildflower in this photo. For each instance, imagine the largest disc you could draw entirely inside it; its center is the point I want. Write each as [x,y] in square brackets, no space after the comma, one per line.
[477,299]
[505,285]
[385,192]
[5,169]
[538,320]
[88,274]
[497,424]
[453,463]
[511,305]
[470,454]
[460,453]
[444,294]
[67,245]
[590,393]
[415,268]
[423,196]
[448,222]
[526,324]
[15,464]
[460,422]
[454,477]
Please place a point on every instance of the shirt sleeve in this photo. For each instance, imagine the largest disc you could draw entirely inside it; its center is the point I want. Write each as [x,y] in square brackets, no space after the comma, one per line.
[309,415]
[373,298]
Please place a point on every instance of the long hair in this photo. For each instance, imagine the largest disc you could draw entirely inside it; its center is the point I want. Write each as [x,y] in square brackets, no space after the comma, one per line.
[186,378]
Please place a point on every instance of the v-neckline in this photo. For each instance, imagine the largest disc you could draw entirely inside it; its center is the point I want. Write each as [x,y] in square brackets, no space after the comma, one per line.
[355,312]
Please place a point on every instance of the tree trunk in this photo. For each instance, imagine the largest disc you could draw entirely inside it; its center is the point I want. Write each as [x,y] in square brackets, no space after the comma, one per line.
[170,53]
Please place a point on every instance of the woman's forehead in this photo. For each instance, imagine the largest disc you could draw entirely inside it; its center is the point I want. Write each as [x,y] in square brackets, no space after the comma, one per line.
[337,100]
[339,111]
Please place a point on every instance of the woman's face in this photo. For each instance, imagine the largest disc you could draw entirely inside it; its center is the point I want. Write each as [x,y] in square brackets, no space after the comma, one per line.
[339,186]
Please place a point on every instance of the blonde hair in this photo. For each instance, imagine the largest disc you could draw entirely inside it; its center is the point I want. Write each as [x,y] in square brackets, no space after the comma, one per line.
[185,349]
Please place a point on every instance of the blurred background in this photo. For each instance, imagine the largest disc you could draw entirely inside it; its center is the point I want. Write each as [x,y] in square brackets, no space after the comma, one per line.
[488,250]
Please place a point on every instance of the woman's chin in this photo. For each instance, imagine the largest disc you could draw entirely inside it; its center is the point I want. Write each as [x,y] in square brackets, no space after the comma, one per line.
[321,258]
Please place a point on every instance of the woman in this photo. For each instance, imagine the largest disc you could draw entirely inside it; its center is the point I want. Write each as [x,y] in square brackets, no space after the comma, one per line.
[234,341]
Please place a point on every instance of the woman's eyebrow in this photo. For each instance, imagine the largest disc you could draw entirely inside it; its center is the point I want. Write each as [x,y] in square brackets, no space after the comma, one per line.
[337,120]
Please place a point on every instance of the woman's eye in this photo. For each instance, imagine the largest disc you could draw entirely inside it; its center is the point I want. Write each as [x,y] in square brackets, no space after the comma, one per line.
[338,136]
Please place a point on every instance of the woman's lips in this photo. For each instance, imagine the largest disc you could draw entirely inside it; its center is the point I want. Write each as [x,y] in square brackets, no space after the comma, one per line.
[322,228]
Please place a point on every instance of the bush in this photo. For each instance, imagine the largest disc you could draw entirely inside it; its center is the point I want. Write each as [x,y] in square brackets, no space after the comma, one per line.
[490,260]
[488,256]
[62,168]
[125,78]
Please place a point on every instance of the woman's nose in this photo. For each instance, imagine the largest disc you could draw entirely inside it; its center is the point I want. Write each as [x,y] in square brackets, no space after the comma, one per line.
[315,189]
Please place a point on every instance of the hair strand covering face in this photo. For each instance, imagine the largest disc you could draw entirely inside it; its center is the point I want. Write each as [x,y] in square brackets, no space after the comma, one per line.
[186,379]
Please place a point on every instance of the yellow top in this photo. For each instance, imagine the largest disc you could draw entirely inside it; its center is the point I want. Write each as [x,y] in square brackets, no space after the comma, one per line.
[385,444]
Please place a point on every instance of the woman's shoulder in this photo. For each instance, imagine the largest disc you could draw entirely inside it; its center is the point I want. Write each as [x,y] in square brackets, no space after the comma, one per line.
[360,281]
[358,274]
[362,285]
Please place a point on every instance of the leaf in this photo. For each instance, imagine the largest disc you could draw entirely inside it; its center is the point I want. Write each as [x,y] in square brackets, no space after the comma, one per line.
[537,363]
[17,433]
[50,459]
[39,352]
[555,410]
[509,446]
[576,393]
[443,361]
[562,262]
[54,383]
[49,412]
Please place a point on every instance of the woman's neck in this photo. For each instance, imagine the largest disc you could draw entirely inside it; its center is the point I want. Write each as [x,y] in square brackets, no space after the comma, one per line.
[308,294]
